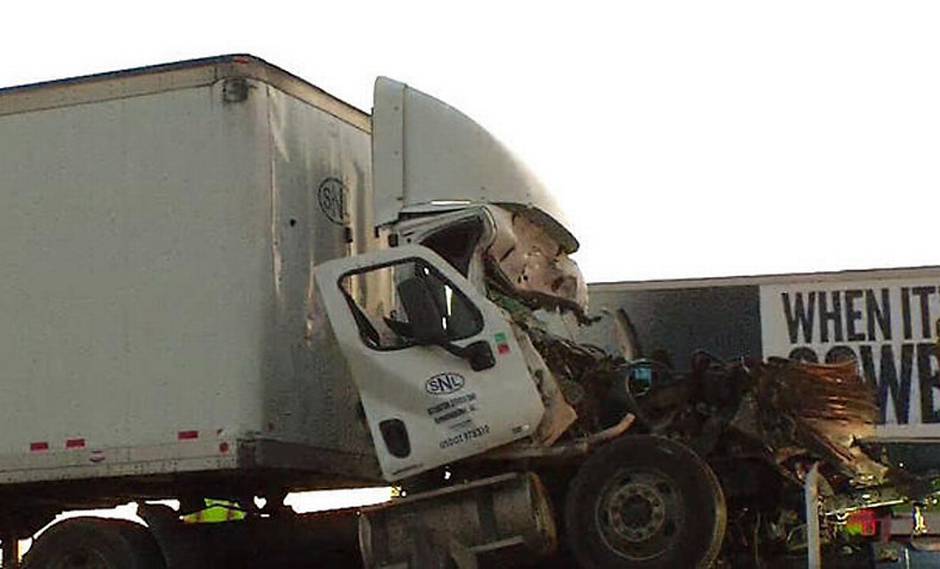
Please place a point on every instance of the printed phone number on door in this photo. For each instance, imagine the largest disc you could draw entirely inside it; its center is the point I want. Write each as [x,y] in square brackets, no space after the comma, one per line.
[465,436]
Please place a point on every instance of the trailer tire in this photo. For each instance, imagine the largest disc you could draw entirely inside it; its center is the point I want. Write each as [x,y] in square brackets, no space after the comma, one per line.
[645,502]
[95,543]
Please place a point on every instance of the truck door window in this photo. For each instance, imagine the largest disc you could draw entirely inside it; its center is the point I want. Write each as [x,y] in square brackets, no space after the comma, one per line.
[372,296]
[456,242]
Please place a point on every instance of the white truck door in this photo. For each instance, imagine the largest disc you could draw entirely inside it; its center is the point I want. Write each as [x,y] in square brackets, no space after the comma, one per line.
[439,373]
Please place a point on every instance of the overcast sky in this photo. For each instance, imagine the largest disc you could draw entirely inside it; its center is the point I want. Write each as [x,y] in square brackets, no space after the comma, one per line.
[685,138]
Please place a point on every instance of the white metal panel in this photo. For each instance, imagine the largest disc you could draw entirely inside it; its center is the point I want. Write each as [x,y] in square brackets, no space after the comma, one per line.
[156,248]
[321,183]
[428,155]
[136,270]
[180,75]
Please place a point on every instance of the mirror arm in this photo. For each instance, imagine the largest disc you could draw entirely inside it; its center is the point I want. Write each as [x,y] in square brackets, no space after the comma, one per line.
[453,349]
[478,354]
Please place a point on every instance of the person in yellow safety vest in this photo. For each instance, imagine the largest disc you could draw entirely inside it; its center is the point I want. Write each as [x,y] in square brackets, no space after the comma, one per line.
[216,511]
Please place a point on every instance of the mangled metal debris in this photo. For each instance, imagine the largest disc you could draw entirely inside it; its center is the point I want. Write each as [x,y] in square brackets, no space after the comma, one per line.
[824,410]
[525,260]
[773,420]
[760,426]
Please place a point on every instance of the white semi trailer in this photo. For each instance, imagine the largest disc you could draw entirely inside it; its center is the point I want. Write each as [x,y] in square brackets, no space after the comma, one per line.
[219,281]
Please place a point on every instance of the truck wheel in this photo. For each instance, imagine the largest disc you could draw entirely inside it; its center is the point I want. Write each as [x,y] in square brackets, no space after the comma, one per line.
[94,543]
[645,502]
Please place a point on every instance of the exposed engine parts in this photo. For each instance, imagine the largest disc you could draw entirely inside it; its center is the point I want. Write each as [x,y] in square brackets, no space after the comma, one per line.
[760,426]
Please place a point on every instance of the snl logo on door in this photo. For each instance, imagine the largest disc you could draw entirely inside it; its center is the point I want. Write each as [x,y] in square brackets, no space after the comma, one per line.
[888,326]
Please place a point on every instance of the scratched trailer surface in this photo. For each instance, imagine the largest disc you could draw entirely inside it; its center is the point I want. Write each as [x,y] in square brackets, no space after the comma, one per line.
[885,319]
[158,229]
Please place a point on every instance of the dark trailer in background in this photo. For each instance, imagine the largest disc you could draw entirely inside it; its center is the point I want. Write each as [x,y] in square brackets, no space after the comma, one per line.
[884,318]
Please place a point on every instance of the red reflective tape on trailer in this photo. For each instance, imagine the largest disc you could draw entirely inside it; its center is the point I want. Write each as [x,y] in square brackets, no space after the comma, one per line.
[503,349]
[187,435]
[75,443]
[38,447]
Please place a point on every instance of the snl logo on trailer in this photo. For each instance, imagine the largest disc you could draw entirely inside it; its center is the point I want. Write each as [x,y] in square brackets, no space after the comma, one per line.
[886,325]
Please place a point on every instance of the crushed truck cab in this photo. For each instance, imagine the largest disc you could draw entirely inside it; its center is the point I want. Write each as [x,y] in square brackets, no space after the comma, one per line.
[438,365]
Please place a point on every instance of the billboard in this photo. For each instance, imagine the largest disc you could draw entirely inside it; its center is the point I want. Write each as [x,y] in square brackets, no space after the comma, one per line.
[887,325]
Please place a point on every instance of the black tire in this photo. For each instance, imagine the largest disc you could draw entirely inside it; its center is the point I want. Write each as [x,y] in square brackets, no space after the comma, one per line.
[94,543]
[645,502]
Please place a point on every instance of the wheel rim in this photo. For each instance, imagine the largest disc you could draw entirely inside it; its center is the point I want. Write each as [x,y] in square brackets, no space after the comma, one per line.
[82,559]
[639,514]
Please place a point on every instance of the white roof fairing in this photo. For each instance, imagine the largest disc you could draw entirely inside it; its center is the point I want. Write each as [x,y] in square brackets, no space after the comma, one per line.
[428,155]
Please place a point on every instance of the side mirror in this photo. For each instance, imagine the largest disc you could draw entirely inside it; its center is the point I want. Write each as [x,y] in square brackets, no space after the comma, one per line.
[480,355]
[426,323]
[424,313]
